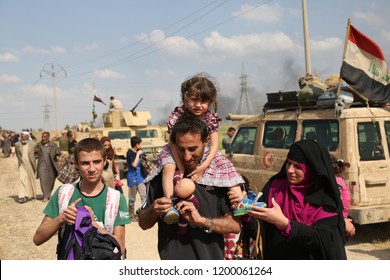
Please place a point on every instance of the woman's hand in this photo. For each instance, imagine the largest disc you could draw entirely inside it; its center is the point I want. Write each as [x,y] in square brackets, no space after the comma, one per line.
[349,228]
[272,215]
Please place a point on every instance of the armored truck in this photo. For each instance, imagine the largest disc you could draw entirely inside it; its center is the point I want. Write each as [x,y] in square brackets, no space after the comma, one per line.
[121,126]
[356,133]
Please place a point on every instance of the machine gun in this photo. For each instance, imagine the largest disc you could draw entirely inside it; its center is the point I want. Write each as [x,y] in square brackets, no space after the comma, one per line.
[136,105]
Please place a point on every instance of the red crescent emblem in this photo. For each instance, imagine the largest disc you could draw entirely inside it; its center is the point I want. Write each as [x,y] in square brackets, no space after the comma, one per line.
[267,159]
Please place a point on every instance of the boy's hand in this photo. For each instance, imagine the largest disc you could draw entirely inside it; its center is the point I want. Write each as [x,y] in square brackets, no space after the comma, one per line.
[70,212]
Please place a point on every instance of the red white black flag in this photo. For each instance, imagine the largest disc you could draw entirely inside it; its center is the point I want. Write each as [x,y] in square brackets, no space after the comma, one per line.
[364,67]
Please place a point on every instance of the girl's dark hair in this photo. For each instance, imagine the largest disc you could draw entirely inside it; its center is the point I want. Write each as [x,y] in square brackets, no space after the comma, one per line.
[339,165]
[201,86]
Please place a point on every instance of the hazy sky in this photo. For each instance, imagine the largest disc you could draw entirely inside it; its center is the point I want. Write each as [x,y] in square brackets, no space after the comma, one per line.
[135,49]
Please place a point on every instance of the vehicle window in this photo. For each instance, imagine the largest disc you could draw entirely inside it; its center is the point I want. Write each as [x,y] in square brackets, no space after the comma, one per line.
[244,141]
[279,134]
[325,132]
[148,133]
[119,134]
[387,130]
[370,142]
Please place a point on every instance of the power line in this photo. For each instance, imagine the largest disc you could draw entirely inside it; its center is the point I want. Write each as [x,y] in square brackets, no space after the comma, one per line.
[134,56]
[144,39]
[53,69]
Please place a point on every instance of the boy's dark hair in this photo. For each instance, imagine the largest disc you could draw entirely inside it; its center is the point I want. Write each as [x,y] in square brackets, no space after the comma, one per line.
[188,124]
[231,129]
[89,145]
[135,140]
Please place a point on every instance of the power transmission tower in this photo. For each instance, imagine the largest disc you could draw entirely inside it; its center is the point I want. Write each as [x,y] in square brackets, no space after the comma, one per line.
[52,70]
[46,113]
[245,106]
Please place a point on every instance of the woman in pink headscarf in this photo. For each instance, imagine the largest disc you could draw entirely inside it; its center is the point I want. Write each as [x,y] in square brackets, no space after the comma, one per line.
[304,216]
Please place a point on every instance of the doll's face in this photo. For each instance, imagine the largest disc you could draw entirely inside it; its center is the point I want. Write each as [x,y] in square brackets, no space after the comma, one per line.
[184,188]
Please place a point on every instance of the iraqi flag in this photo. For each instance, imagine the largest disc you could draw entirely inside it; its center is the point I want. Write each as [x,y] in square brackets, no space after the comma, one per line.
[364,67]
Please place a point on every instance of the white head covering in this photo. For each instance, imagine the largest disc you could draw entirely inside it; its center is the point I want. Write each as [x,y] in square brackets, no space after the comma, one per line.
[27,133]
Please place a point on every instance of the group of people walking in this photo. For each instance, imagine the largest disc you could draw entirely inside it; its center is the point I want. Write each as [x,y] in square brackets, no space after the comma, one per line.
[303,217]
[36,160]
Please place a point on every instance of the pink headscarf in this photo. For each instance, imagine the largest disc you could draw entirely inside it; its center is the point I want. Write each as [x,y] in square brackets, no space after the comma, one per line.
[291,199]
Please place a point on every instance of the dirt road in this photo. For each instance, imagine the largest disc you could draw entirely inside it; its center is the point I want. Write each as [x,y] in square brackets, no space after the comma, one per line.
[19,222]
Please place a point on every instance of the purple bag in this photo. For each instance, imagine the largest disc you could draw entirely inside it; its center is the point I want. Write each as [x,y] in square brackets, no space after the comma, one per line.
[85,242]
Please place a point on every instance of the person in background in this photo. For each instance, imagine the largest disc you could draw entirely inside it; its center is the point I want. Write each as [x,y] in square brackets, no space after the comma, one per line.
[72,142]
[24,150]
[115,105]
[47,171]
[6,145]
[339,166]
[111,169]
[135,179]
[63,143]
[227,139]
[303,219]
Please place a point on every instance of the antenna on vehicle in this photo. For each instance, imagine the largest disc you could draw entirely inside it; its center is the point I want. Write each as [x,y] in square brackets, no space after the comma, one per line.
[136,105]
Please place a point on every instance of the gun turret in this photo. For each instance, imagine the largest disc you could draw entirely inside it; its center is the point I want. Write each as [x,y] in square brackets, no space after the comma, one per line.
[136,105]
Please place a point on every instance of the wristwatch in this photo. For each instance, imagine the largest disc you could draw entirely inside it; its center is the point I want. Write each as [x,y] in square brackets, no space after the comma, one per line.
[210,230]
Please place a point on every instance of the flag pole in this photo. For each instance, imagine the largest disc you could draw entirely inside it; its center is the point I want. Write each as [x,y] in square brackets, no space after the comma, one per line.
[344,51]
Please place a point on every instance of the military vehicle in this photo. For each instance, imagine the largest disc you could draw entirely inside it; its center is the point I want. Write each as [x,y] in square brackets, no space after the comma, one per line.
[351,131]
[121,126]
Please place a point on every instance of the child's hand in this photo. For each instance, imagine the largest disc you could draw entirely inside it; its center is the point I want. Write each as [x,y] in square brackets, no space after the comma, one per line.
[197,173]
[235,194]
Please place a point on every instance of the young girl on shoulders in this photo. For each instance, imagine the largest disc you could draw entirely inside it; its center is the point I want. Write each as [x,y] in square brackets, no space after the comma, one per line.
[199,99]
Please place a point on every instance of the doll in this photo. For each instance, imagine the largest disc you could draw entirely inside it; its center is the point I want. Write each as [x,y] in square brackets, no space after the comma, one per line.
[184,190]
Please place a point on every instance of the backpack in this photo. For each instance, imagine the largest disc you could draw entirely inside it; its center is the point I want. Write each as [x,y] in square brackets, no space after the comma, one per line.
[85,242]
[112,204]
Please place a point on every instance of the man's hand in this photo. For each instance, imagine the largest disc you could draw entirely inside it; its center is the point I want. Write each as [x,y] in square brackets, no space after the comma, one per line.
[188,210]
[161,206]
[149,216]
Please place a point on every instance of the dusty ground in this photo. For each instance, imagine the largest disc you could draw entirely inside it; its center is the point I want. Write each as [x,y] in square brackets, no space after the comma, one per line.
[19,222]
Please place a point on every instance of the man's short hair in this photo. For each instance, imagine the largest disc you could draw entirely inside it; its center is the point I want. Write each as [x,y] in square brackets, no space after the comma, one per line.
[135,140]
[231,129]
[188,124]
[89,145]
[47,133]
[112,98]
